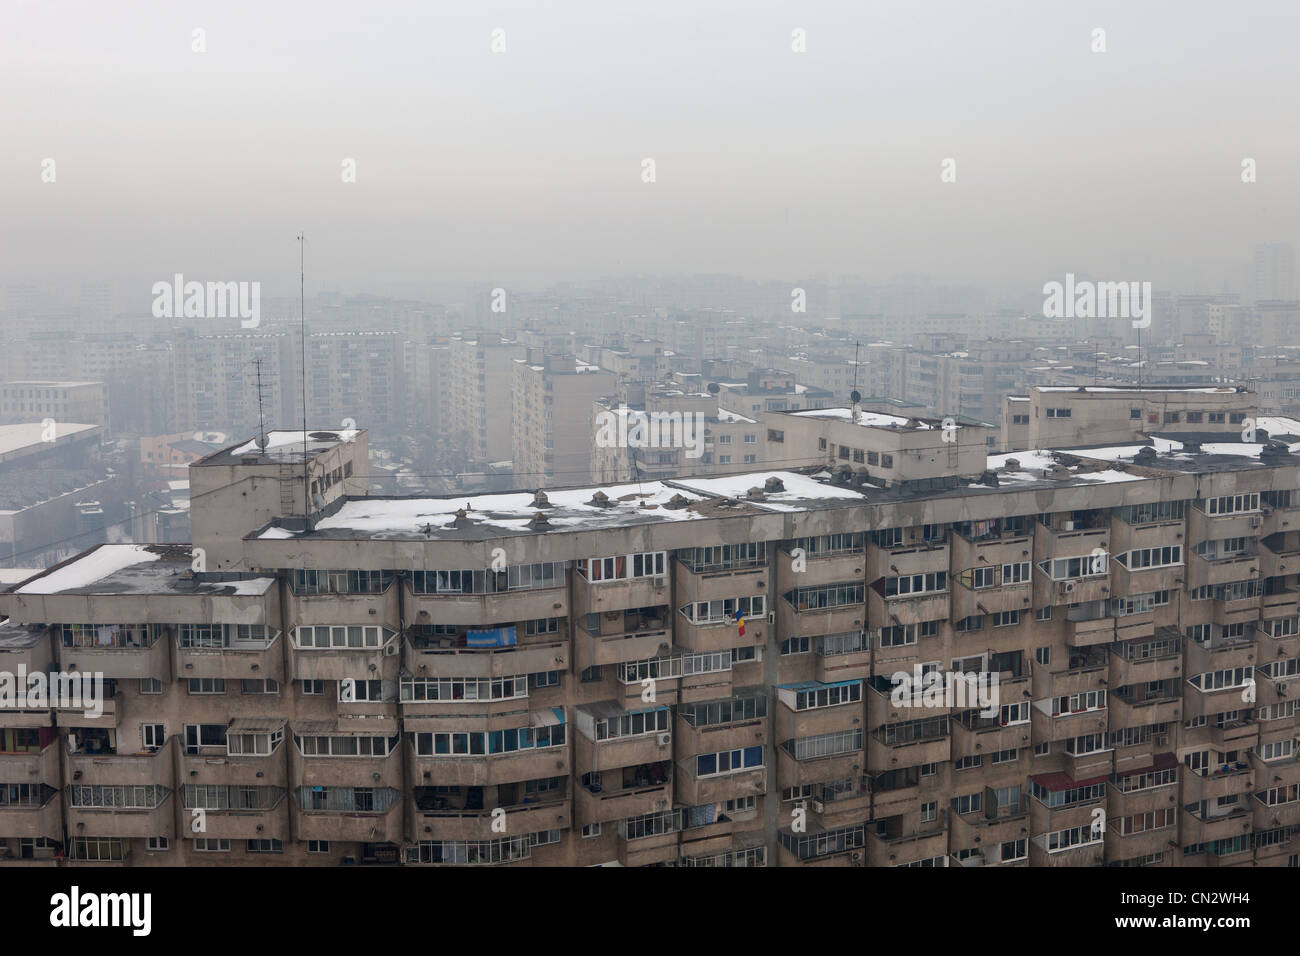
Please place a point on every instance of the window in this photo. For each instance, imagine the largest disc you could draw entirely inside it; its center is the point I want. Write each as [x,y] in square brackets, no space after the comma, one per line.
[313,688]
[153,736]
[203,845]
[318,846]
[730,761]
[150,685]
[344,637]
[930,811]
[206,685]
[157,844]
[198,736]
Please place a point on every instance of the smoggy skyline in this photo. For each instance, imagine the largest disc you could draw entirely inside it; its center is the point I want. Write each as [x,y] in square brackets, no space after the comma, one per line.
[526,166]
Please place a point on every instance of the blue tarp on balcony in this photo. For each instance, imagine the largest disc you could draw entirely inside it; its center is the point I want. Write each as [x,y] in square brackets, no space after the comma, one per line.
[493,637]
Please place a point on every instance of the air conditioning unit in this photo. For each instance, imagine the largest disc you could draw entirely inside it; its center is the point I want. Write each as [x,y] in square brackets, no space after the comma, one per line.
[1160,740]
[1255,521]
[818,806]
[1067,525]
[665,739]
[391,650]
[661,580]
[1069,586]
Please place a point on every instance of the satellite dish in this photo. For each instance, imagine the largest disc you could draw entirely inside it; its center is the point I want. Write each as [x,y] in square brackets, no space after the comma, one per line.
[855,396]
[713,388]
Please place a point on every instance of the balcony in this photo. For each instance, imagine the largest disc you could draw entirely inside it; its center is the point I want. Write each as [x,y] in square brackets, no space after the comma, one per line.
[1217,780]
[1122,846]
[269,821]
[1087,669]
[907,750]
[819,568]
[692,791]
[237,659]
[1091,853]
[1083,589]
[429,656]
[977,734]
[912,558]
[600,597]
[1065,725]
[720,583]
[967,602]
[347,825]
[845,657]
[35,810]
[1234,735]
[1268,817]
[1202,526]
[809,620]
[591,755]
[989,831]
[795,771]
[644,639]
[472,610]
[1197,702]
[1208,572]
[625,792]
[484,770]
[1280,604]
[345,608]
[94,763]
[351,651]
[903,609]
[1127,537]
[1082,630]
[131,821]
[1158,663]
[1221,653]
[1278,563]
[645,841]
[718,635]
[119,653]
[994,547]
[1132,708]
[1194,828]
[471,813]
[895,841]
[104,714]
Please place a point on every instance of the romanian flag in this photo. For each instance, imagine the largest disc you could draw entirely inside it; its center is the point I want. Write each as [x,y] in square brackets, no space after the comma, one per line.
[742,625]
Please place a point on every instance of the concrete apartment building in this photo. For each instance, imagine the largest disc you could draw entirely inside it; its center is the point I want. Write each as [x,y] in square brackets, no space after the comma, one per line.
[1061,416]
[719,442]
[697,672]
[552,395]
[482,368]
[62,401]
[214,379]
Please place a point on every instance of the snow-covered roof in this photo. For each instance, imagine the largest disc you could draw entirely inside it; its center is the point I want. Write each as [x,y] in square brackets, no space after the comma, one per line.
[866,419]
[137,568]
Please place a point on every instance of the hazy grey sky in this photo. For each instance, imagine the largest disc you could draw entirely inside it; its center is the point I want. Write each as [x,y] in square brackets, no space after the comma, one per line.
[525,166]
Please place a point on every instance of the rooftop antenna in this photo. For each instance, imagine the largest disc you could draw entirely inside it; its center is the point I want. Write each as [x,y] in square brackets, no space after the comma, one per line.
[856,396]
[302,325]
[261,417]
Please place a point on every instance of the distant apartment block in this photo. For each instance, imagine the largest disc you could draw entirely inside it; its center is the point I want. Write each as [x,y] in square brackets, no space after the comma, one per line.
[482,413]
[25,401]
[552,396]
